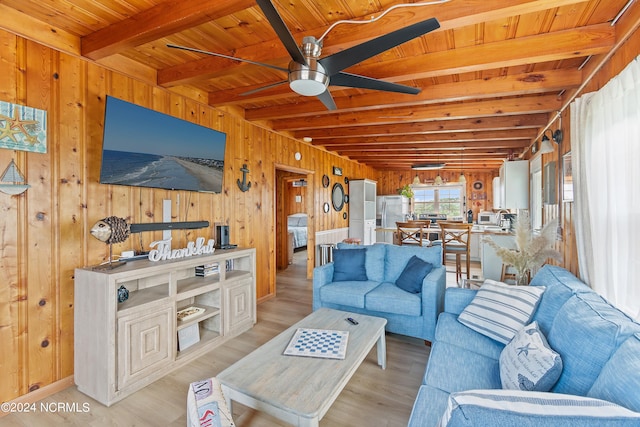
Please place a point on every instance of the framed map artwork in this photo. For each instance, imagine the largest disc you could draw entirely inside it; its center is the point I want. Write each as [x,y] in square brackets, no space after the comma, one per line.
[23,128]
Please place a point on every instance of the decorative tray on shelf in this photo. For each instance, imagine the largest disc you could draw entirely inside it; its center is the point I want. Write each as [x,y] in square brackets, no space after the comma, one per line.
[189,313]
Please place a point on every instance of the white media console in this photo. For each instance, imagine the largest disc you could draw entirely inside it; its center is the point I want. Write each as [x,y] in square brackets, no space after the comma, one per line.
[122,347]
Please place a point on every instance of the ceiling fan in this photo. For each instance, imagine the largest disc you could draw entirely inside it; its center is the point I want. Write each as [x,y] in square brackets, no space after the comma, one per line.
[310,75]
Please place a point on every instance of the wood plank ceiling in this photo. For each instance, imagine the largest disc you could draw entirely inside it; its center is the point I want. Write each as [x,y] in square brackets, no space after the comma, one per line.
[492,77]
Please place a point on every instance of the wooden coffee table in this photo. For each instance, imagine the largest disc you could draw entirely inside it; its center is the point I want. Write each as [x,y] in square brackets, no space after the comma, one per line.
[300,390]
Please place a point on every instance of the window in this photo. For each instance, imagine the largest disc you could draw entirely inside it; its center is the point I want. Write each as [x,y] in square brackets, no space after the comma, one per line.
[605,131]
[442,200]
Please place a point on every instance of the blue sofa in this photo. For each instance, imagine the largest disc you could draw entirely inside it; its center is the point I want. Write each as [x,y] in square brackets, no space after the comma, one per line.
[412,314]
[598,344]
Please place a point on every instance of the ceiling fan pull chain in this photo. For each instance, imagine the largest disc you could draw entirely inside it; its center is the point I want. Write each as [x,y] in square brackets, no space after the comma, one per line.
[397,6]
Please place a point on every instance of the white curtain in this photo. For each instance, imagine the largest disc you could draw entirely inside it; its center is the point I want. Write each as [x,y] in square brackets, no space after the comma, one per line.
[605,145]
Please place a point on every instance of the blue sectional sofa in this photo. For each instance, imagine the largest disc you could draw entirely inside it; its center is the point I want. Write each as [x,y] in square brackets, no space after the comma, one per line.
[599,383]
[407,313]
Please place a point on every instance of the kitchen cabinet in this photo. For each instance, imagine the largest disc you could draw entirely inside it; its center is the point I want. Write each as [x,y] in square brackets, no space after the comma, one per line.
[514,185]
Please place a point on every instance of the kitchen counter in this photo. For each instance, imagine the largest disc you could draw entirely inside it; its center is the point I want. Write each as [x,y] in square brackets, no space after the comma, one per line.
[490,229]
[474,230]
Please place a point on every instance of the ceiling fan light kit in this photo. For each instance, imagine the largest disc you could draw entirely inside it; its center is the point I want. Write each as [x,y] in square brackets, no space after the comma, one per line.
[309,79]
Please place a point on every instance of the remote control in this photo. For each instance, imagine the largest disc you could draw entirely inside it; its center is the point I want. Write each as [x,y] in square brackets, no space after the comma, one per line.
[352,321]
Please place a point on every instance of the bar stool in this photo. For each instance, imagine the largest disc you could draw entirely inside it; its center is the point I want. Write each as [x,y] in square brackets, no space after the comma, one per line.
[413,232]
[508,275]
[455,240]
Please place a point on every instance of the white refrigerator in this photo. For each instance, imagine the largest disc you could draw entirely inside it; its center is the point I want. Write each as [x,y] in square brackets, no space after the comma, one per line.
[389,210]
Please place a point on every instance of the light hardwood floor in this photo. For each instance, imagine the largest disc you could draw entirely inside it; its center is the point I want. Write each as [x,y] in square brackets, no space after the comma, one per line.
[373,397]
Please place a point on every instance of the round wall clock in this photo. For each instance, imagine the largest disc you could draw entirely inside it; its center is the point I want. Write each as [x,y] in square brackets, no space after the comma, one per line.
[478,185]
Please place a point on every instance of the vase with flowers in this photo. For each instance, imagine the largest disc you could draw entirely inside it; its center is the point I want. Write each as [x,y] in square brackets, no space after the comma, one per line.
[532,250]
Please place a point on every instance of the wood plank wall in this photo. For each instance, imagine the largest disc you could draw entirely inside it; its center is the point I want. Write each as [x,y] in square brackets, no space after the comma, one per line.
[44,233]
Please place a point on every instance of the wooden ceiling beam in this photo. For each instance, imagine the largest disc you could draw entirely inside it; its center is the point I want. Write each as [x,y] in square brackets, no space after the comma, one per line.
[553,46]
[504,135]
[432,147]
[494,107]
[496,123]
[483,88]
[157,22]
[406,164]
[427,157]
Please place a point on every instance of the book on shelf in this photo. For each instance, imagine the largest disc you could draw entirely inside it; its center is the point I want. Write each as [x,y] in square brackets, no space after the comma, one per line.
[207,269]
[188,337]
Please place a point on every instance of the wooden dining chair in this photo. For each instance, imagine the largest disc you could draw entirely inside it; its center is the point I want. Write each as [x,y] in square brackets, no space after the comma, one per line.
[413,233]
[456,237]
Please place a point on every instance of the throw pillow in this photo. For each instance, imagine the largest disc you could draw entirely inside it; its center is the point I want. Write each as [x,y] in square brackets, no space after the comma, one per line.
[619,381]
[528,363]
[532,409]
[499,310]
[414,272]
[348,264]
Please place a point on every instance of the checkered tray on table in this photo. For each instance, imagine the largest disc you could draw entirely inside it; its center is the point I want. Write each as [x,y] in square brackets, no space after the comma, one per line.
[322,343]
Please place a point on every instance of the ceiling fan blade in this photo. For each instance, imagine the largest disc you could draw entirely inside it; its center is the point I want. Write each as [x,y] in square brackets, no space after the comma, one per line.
[355,80]
[327,100]
[252,91]
[262,64]
[348,57]
[282,31]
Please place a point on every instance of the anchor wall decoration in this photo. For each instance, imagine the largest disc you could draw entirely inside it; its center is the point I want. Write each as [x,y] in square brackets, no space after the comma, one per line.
[244,185]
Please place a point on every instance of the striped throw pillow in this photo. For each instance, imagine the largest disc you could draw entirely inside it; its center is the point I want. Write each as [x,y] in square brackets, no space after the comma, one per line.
[533,409]
[499,310]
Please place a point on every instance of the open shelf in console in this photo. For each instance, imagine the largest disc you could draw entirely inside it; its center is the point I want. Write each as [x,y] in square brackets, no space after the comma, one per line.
[192,286]
[207,313]
[206,338]
[237,274]
[143,290]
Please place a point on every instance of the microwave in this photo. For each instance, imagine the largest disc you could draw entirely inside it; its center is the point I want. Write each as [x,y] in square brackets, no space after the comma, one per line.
[487,218]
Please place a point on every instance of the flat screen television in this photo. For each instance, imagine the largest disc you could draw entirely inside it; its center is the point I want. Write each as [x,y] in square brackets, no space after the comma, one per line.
[145,148]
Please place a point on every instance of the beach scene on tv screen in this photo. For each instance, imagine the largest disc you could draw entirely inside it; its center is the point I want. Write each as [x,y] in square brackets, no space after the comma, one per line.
[142,147]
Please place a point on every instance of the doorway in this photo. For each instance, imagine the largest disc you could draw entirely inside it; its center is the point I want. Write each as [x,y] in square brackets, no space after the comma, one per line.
[294,219]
